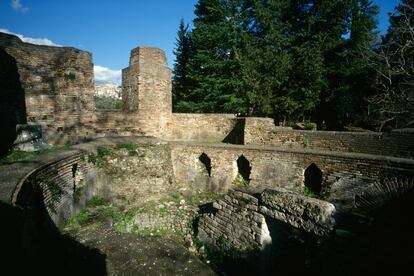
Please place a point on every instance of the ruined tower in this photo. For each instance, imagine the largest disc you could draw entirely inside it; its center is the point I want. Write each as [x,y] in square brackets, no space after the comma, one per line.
[146,90]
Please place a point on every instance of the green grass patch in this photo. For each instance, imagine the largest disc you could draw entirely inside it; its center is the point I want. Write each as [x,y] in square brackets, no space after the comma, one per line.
[124,222]
[127,146]
[15,156]
[309,192]
[96,201]
[240,181]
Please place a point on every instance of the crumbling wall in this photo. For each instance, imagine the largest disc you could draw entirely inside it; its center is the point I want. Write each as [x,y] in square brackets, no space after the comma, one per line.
[202,127]
[58,88]
[236,224]
[262,131]
[147,90]
[65,185]
[284,168]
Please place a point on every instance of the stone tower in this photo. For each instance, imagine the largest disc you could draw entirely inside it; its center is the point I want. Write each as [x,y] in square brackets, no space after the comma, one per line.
[146,89]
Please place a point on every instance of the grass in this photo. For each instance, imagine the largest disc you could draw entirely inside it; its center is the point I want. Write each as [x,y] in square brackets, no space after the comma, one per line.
[309,192]
[15,156]
[240,181]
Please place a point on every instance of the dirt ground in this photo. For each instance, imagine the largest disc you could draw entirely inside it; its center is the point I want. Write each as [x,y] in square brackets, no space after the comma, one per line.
[131,254]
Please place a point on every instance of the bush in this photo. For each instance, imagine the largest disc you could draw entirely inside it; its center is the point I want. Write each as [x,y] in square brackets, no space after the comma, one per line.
[107,103]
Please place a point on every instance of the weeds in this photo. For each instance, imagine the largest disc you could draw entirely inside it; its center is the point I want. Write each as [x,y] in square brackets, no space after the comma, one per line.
[18,156]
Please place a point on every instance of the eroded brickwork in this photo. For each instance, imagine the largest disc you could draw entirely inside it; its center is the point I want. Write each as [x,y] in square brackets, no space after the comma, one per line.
[147,90]
[58,88]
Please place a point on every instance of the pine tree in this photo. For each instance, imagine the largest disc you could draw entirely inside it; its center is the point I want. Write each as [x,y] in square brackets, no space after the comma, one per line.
[266,62]
[349,78]
[214,65]
[180,82]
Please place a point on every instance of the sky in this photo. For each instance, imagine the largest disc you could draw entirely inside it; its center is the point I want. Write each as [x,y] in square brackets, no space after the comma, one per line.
[109,29]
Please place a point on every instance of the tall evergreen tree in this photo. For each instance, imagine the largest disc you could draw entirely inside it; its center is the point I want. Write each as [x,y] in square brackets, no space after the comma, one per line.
[181,83]
[266,61]
[349,78]
[288,59]
[214,64]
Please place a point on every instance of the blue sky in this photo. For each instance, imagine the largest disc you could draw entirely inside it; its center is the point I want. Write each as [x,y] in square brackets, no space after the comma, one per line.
[110,29]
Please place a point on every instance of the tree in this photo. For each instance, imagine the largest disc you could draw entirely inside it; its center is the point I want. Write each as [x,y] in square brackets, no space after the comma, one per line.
[214,64]
[393,62]
[350,80]
[180,82]
[286,59]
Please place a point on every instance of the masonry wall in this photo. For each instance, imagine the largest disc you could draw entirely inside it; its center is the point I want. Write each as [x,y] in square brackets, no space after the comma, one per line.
[261,131]
[58,88]
[202,127]
[65,187]
[114,123]
[343,174]
[236,224]
[136,173]
[147,90]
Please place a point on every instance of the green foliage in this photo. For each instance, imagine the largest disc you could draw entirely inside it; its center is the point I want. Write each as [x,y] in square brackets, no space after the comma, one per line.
[98,159]
[54,190]
[240,181]
[124,222]
[18,156]
[131,147]
[96,201]
[285,59]
[102,151]
[79,219]
[69,76]
[181,82]
[309,192]
[107,103]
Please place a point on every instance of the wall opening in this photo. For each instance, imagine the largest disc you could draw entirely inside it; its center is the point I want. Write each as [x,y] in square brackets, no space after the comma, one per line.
[108,96]
[206,162]
[313,179]
[244,168]
[74,170]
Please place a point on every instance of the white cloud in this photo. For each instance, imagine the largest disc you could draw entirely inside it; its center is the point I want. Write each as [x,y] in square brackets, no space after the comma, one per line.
[104,74]
[18,6]
[38,41]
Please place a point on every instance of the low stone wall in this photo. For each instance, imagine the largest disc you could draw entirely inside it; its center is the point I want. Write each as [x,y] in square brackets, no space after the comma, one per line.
[241,221]
[236,224]
[310,214]
[116,123]
[135,173]
[202,127]
[261,131]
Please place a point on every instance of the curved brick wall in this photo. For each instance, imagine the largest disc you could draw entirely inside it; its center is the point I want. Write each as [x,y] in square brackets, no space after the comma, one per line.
[65,184]
[342,173]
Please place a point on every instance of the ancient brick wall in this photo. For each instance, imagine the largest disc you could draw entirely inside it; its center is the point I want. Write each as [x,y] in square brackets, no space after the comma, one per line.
[342,174]
[147,90]
[113,123]
[201,127]
[136,173]
[237,224]
[58,88]
[242,220]
[261,131]
[65,184]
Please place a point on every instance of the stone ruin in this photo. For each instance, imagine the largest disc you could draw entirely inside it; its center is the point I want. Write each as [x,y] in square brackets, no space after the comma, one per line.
[47,98]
